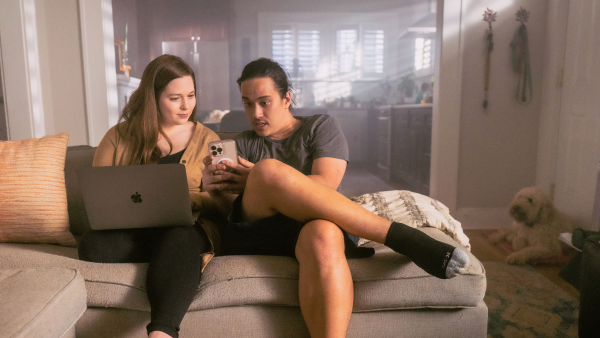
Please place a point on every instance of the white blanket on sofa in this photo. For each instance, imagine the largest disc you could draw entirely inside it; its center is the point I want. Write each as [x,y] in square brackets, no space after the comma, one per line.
[414,210]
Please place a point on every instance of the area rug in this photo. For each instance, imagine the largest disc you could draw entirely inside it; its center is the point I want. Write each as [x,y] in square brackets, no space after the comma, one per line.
[524,304]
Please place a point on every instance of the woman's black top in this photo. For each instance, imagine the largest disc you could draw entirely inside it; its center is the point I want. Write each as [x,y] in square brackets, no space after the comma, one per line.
[171,158]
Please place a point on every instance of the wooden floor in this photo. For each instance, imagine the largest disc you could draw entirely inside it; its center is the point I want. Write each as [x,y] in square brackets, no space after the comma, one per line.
[359,181]
[486,251]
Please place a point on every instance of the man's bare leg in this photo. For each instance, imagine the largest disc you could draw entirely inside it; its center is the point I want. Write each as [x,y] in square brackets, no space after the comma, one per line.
[274,187]
[325,284]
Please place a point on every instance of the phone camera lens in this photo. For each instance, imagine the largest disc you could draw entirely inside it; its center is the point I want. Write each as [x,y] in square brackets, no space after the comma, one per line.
[213,147]
[214,153]
[219,150]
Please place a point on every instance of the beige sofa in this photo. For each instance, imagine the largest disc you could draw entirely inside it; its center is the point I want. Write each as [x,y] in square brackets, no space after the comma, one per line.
[257,296]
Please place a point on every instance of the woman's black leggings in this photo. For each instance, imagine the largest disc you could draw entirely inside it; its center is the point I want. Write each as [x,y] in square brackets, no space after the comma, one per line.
[174,270]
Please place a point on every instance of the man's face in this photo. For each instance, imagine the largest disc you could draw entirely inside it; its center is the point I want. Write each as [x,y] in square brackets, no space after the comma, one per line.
[266,110]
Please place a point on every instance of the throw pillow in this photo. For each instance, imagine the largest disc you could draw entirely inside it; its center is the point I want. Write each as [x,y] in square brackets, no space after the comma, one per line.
[33,197]
[414,210]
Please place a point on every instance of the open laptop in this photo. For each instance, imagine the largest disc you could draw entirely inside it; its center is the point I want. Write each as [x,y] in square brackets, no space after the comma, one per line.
[136,196]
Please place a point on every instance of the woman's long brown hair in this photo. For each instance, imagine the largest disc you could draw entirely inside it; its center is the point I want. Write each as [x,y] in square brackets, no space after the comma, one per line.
[139,124]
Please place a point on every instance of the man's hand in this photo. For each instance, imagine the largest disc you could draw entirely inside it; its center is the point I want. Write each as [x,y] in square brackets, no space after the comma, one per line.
[226,176]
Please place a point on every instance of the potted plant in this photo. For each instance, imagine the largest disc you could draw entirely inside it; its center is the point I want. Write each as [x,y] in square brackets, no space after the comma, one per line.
[406,87]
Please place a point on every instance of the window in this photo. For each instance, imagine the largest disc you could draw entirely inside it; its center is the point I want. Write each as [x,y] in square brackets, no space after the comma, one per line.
[297,50]
[360,51]
[373,51]
[283,48]
[346,48]
[309,50]
[422,53]
[318,51]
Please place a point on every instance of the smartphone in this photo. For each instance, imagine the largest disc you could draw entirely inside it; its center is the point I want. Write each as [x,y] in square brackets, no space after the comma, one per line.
[223,150]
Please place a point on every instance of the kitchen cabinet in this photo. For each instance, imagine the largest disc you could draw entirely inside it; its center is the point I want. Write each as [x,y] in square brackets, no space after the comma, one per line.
[379,149]
[354,124]
[410,153]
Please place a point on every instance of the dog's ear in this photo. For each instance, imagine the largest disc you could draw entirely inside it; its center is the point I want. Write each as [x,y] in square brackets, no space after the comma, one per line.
[546,211]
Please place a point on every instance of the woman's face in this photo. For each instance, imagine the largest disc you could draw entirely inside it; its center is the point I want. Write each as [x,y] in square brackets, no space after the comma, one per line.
[265,108]
[177,101]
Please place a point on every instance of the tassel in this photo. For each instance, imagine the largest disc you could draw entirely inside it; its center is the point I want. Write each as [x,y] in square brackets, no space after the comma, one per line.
[520,59]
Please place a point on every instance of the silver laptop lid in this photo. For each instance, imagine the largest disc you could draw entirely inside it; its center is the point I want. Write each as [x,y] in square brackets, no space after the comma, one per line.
[136,196]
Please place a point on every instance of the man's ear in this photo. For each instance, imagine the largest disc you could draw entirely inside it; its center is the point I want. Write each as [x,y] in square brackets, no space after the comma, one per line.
[288,99]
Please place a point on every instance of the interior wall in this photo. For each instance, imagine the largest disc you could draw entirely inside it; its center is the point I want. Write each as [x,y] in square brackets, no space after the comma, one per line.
[445,129]
[21,69]
[578,151]
[45,75]
[61,69]
[498,144]
[558,12]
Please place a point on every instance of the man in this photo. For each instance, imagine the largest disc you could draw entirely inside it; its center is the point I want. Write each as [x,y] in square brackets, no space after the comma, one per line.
[281,199]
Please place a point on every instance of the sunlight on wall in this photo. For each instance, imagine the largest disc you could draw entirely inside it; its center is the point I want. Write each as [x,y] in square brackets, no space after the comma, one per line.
[452,23]
[475,17]
[34,78]
[111,78]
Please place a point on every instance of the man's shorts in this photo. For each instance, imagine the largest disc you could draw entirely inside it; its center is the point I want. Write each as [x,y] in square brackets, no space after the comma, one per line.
[272,236]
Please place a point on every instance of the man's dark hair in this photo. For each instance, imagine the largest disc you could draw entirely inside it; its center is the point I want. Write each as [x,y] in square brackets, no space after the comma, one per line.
[265,67]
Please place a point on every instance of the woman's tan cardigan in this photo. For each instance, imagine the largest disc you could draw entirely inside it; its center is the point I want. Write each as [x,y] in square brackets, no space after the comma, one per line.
[112,151]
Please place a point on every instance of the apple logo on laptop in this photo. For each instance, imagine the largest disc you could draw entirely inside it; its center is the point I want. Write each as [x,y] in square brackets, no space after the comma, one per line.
[136,198]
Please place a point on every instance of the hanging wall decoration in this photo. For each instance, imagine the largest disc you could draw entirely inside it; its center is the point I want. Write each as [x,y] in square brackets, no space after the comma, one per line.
[520,59]
[489,16]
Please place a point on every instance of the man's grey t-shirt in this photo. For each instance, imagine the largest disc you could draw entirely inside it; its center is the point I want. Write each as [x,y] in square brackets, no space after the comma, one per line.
[318,136]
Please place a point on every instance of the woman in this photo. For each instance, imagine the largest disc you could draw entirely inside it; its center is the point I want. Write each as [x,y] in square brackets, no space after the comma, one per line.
[158,126]
[281,199]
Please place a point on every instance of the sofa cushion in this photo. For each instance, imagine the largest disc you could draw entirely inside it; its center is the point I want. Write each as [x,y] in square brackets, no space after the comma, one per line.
[108,285]
[385,281]
[77,157]
[40,303]
[33,198]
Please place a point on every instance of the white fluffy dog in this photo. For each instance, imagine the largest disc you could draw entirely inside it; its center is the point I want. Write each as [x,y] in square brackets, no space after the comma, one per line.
[536,226]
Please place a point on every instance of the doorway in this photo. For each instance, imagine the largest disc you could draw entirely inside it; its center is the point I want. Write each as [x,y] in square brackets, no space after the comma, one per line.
[358,65]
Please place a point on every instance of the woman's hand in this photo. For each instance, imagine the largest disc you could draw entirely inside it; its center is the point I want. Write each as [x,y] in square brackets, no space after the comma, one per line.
[211,176]
[226,176]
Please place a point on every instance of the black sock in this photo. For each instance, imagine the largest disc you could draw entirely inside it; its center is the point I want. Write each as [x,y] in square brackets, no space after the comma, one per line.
[429,254]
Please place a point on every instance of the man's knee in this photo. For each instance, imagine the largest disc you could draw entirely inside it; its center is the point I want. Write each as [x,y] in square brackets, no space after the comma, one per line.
[320,240]
[268,171]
